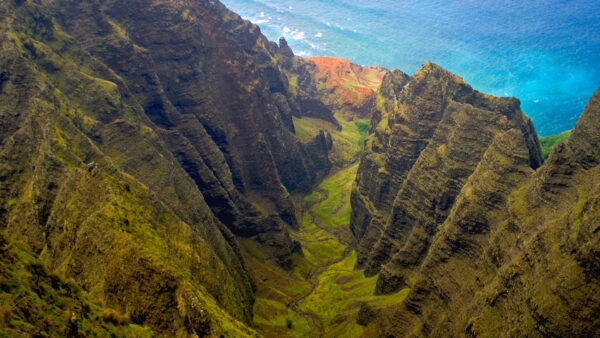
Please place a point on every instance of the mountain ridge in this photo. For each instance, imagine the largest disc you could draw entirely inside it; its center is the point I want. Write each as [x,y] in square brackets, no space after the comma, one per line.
[154,182]
[495,259]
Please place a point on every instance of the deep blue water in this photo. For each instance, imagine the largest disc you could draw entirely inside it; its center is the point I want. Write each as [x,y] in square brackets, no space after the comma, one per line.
[546,53]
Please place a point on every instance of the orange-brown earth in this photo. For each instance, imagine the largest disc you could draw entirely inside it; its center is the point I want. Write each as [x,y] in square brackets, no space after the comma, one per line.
[351,87]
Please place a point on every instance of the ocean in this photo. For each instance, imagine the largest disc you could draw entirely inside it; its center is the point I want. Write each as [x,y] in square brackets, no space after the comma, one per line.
[546,53]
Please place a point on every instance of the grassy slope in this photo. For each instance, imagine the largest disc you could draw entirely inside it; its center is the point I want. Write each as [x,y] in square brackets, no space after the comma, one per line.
[549,142]
[348,143]
[324,292]
[37,302]
[339,294]
[330,204]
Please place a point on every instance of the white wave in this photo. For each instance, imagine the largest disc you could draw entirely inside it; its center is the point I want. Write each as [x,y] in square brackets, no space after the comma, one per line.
[286,29]
[312,45]
[258,22]
[298,35]
[302,53]
[262,14]
[319,35]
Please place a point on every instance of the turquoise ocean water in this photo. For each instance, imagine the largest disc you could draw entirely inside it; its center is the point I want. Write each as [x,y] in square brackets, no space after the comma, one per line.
[546,53]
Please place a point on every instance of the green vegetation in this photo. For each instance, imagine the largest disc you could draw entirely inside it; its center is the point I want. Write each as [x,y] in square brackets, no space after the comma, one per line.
[279,320]
[330,203]
[339,293]
[549,142]
[185,14]
[39,303]
[323,294]
[293,82]
[348,143]
[320,247]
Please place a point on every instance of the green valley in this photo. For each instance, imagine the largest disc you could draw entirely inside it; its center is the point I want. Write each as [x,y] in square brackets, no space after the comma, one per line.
[167,171]
[324,293]
[348,142]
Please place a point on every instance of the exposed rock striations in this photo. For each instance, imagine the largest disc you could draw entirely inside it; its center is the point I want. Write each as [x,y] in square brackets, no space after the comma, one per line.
[428,135]
[137,139]
[211,84]
[515,252]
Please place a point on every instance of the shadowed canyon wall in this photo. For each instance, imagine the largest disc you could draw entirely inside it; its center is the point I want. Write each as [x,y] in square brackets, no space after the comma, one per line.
[453,202]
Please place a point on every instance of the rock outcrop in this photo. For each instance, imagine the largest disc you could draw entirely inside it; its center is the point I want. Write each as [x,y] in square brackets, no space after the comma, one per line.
[305,85]
[514,251]
[428,135]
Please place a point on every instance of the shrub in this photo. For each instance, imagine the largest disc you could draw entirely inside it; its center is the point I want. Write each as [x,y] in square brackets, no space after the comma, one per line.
[114,317]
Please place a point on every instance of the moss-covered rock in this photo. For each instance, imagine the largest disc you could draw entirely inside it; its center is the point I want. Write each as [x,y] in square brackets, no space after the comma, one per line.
[122,168]
[515,256]
[428,134]
[36,302]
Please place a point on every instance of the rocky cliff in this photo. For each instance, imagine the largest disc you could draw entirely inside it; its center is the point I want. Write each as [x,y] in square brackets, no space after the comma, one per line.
[212,84]
[428,134]
[487,244]
[137,139]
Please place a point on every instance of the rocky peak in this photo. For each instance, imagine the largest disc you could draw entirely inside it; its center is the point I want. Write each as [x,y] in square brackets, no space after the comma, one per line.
[585,138]
[392,83]
[284,48]
[513,236]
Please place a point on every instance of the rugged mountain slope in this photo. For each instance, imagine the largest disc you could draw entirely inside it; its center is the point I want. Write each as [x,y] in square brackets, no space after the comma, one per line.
[428,134]
[349,89]
[305,85]
[137,138]
[38,303]
[519,252]
[95,192]
[211,82]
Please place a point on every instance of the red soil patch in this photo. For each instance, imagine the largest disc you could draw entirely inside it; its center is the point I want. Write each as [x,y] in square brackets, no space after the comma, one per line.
[353,85]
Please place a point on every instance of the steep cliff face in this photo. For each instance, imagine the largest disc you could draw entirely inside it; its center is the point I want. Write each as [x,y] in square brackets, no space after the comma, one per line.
[137,139]
[211,84]
[428,135]
[518,253]
[90,185]
[347,88]
[305,85]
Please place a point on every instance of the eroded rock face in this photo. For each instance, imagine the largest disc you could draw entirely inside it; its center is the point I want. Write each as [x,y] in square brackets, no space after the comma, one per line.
[211,84]
[306,86]
[137,140]
[428,135]
[349,89]
[516,253]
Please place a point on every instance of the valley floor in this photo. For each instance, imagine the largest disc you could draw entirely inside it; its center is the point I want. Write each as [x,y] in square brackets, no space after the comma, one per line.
[322,296]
